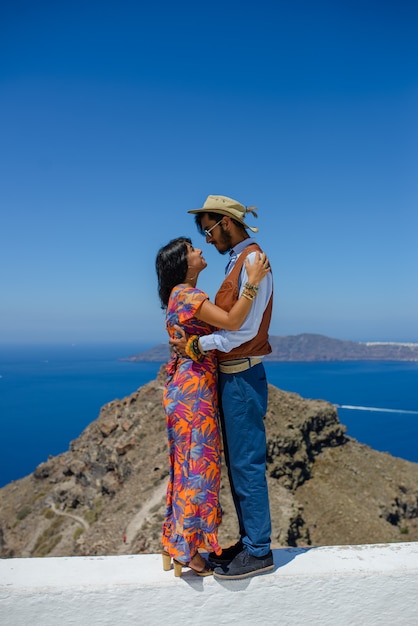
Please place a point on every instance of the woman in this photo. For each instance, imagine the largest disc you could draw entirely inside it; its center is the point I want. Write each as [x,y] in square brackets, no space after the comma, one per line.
[190,401]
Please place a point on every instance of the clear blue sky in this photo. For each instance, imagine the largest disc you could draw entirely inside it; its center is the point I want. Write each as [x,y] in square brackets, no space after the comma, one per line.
[118,117]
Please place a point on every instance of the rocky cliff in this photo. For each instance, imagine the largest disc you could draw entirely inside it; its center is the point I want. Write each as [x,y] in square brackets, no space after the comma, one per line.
[105,495]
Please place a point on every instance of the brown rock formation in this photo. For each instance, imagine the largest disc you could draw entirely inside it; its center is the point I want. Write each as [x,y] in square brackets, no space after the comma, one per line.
[106,494]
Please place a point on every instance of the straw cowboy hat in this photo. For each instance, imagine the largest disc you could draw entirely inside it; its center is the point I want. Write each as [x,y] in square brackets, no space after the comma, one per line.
[227,206]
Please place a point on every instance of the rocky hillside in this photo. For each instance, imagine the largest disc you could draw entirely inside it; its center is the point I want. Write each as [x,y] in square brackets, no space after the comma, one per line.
[106,494]
[312,347]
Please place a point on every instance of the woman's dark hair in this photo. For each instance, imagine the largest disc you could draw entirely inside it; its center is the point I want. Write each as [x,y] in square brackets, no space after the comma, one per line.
[171,266]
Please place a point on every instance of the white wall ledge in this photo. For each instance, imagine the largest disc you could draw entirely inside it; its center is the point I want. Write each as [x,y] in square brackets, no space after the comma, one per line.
[344,585]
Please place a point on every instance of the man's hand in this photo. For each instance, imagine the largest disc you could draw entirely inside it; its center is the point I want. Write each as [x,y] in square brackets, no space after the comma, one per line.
[178,343]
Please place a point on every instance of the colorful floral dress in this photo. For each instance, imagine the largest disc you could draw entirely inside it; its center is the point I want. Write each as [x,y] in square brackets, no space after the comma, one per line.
[190,401]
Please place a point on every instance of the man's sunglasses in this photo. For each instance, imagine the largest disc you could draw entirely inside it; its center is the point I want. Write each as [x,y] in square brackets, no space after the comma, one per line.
[207,232]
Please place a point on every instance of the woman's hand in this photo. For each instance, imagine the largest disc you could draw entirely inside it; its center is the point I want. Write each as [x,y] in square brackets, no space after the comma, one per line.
[178,343]
[257,271]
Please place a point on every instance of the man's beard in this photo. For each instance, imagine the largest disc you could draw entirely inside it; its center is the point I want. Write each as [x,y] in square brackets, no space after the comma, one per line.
[225,241]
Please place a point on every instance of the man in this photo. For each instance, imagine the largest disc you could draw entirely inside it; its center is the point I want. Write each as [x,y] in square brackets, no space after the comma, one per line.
[242,388]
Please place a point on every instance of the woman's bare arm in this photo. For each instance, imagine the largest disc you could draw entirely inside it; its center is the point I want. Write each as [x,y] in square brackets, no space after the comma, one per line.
[233,319]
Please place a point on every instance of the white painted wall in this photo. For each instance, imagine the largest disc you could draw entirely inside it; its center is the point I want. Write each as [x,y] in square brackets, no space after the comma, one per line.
[346,585]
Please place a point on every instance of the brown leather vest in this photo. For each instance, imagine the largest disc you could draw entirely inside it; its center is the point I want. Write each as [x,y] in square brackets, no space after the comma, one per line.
[227,296]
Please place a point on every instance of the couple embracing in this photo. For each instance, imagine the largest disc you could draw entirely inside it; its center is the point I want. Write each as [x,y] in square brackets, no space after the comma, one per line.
[216,381]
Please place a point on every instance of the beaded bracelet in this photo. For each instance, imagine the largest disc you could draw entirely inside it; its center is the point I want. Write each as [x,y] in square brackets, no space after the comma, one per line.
[249,291]
[192,348]
[252,288]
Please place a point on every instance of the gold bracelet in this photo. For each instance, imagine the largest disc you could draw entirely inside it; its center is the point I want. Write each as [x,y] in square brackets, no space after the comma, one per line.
[192,348]
[252,288]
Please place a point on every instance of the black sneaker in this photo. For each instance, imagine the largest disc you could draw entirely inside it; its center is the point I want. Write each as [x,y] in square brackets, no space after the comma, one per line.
[245,565]
[227,555]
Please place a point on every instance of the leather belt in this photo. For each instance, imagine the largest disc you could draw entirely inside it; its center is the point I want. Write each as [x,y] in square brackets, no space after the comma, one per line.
[238,365]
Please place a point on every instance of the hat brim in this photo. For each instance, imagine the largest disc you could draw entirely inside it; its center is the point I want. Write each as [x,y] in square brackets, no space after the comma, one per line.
[228,214]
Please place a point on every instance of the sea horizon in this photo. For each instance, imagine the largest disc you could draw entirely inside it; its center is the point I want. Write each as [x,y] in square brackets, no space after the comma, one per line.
[49,393]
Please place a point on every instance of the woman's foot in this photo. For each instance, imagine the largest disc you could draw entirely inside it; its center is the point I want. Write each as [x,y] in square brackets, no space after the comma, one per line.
[197,564]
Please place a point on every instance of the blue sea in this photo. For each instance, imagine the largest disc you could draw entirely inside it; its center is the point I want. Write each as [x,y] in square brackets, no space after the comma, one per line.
[49,394]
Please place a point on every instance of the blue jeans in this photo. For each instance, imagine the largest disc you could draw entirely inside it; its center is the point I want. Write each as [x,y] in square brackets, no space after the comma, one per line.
[243,400]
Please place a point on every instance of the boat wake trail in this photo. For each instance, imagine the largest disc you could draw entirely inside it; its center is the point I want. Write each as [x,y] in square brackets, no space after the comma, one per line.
[372,408]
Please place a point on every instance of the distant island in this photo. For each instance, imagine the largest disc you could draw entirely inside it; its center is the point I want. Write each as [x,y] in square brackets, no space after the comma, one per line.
[312,347]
